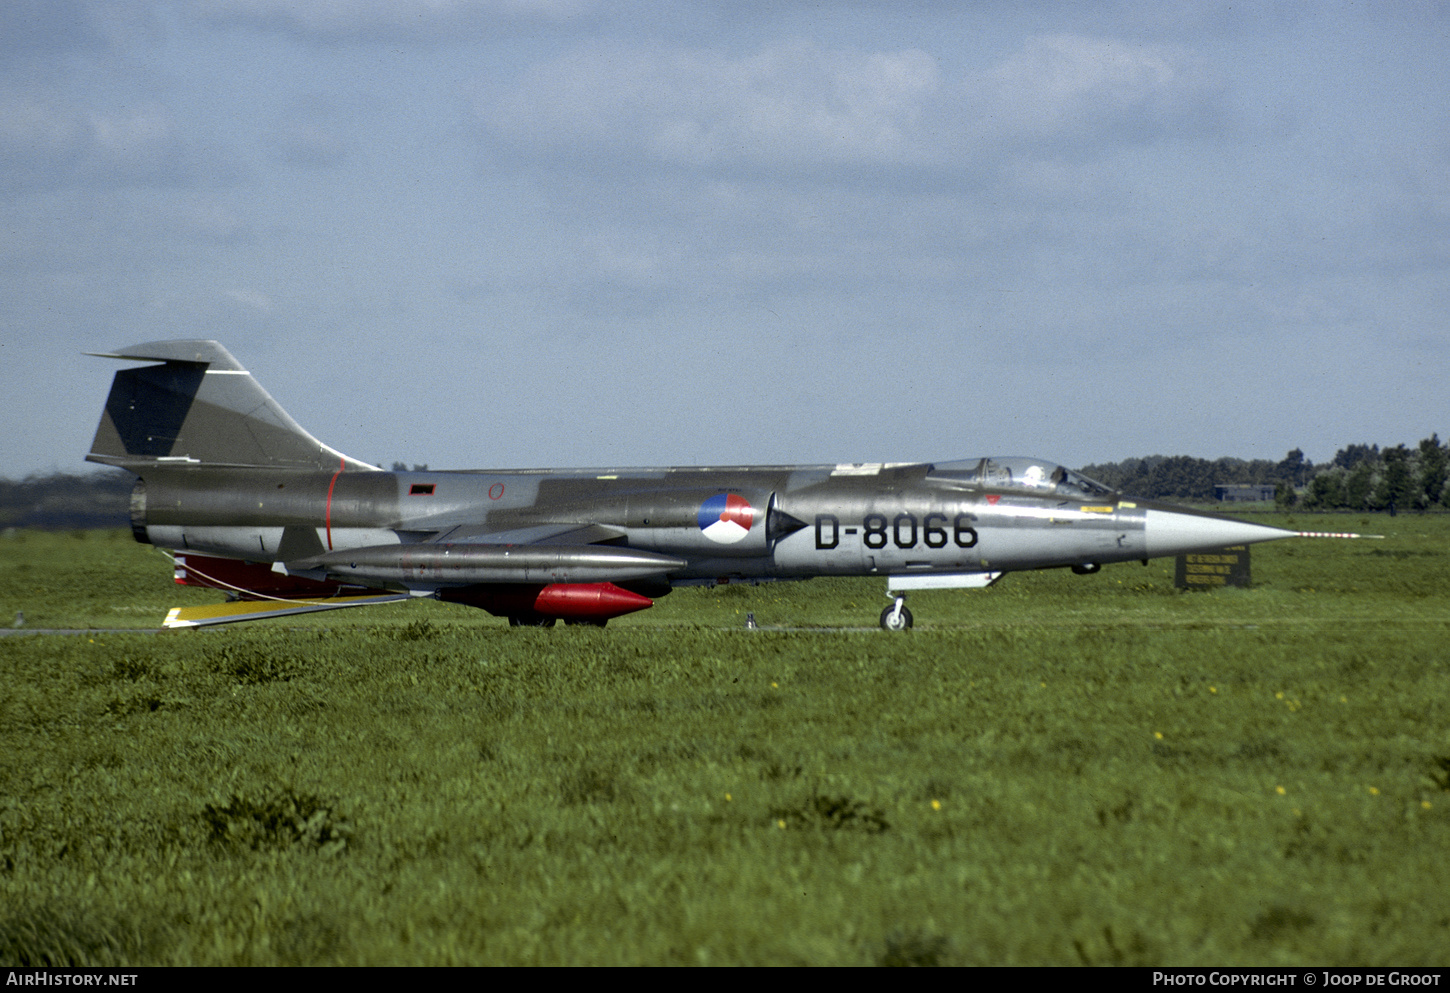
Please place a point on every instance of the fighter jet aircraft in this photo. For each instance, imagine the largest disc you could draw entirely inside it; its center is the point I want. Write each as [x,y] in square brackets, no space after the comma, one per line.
[253,505]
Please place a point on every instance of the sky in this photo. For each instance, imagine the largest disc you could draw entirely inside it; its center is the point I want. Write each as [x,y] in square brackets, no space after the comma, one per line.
[526,233]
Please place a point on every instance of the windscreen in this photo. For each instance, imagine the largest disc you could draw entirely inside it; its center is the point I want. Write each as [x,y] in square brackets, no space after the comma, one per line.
[1027,475]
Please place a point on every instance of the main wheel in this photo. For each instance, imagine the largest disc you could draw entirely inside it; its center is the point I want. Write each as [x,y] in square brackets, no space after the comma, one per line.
[894,620]
[531,621]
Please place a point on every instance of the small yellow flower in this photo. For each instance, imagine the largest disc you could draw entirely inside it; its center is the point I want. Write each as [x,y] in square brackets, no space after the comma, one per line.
[780,824]
[1158,735]
[1279,790]
[1279,696]
[1425,804]
[775,686]
[1213,689]
[936,805]
[1344,699]
[1373,791]
[728,798]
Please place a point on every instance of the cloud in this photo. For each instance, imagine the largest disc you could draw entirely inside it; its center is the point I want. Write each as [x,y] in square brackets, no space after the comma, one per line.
[308,144]
[250,299]
[384,20]
[786,105]
[28,26]
[796,105]
[309,135]
[36,134]
[795,168]
[48,142]
[1091,92]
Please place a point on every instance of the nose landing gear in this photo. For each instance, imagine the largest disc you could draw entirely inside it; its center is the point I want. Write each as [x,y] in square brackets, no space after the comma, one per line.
[896,617]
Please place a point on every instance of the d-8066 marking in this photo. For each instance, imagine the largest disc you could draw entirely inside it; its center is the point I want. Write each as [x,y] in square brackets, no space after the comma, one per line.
[903,530]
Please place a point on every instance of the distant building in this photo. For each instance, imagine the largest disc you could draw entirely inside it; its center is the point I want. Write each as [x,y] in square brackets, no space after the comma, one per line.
[1240,494]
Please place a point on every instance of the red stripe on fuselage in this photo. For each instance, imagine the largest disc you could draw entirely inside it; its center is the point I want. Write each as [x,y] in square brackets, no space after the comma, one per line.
[341,465]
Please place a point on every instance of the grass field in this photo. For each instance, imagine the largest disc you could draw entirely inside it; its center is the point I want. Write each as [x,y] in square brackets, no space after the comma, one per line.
[1057,770]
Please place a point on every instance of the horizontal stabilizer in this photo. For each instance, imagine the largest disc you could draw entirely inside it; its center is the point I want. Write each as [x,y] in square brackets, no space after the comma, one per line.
[256,610]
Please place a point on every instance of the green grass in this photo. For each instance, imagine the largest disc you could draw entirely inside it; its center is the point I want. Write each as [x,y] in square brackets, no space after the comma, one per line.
[1057,770]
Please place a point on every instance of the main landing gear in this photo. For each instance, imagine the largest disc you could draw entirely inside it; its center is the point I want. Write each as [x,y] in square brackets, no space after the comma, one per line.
[896,617]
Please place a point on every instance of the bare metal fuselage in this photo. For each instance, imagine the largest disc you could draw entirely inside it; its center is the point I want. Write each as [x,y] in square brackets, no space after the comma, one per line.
[258,507]
[806,521]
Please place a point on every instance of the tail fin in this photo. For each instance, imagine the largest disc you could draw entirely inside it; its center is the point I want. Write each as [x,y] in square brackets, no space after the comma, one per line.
[200,407]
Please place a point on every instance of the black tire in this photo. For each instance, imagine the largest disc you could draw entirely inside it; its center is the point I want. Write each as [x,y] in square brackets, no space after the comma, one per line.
[903,622]
[531,621]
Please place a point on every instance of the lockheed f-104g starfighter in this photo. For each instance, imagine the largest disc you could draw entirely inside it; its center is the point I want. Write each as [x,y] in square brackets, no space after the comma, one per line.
[252,504]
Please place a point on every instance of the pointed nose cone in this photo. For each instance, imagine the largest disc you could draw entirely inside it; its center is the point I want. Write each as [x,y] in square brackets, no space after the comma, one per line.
[1177,531]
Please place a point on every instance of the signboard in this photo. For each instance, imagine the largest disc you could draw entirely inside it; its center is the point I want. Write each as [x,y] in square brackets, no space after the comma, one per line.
[1205,570]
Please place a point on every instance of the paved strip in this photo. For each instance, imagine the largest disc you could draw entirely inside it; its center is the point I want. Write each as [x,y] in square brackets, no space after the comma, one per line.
[19,631]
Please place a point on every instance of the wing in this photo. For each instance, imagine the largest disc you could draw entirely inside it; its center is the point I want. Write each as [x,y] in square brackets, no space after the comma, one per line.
[257,590]
[255,610]
[491,568]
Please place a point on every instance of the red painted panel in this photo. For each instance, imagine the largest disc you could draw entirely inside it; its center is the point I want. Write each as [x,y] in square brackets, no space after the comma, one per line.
[570,601]
[251,580]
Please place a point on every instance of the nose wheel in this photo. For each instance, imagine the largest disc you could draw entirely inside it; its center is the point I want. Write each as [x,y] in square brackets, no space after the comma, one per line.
[896,617]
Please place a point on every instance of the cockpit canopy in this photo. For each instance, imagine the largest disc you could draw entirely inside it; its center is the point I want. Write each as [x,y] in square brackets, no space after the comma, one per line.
[1025,475]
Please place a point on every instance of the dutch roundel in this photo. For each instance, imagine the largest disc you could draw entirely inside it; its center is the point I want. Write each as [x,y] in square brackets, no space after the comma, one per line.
[726,518]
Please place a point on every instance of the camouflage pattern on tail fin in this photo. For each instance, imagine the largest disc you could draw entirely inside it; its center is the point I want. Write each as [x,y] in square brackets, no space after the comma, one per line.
[200,407]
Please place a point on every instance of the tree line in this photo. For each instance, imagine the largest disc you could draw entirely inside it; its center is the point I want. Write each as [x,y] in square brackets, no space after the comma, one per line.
[1365,477]
[64,501]
[1359,477]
